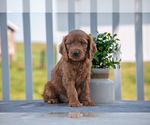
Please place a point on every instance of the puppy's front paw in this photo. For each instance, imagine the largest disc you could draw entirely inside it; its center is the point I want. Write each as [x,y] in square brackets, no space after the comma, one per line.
[88,103]
[75,104]
[52,101]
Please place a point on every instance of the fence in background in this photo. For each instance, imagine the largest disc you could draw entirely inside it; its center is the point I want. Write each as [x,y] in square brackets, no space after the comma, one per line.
[49,44]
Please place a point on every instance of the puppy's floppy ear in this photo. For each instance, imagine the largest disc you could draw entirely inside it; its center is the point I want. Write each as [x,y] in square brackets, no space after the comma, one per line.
[92,47]
[62,48]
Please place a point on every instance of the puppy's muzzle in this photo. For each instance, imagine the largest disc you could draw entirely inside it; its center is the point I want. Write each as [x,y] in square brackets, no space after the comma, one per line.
[75,53]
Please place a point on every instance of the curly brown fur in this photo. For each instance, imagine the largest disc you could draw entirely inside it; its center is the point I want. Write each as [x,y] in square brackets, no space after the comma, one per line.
[71,76]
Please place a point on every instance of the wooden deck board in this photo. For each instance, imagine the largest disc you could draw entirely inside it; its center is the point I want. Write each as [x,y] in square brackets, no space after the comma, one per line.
[40,106]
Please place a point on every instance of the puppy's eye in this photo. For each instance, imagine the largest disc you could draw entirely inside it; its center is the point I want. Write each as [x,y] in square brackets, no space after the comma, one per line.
[70,44]
[82,43]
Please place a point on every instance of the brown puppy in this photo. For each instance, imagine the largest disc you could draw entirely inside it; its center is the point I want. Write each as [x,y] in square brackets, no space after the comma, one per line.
[71,76]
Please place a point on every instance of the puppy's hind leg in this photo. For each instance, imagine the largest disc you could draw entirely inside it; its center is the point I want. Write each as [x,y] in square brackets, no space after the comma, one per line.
[49,95]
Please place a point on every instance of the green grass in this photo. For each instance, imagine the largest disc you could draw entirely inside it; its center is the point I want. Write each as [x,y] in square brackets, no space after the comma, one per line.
[17,75]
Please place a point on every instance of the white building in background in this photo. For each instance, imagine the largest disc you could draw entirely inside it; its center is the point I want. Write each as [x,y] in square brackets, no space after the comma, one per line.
[82,21]
[104,15]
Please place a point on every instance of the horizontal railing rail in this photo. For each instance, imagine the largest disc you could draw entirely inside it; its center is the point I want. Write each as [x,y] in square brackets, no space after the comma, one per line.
[49,44]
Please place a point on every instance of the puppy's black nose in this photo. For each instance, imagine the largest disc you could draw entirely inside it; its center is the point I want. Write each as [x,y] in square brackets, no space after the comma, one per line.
[75,53]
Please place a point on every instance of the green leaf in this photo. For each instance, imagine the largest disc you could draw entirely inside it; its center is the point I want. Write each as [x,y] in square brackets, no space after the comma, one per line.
[110,56]
[104,38]
[110,50]
[94,38]
[96,53]
[99,53]
[96,58]
[113,41]
[100,35]
[113,66]
[118,39]
[108,34]
[107,47]
[100,48]
[114,35]
[108,64]
[111,37]
[104,53]
[112,59]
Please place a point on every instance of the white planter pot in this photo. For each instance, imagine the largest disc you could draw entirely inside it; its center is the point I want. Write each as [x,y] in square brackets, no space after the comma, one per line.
[101,90]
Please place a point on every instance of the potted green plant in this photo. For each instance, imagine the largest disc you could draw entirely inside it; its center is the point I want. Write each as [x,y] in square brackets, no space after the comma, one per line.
[100,86]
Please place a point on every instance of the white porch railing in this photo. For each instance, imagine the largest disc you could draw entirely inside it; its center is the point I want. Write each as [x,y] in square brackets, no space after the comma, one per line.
[49,44]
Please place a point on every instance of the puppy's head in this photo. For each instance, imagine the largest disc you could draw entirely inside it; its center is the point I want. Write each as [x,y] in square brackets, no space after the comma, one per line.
[77,46]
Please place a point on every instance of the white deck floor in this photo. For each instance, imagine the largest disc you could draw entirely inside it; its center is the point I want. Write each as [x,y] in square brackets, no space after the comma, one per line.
[75,118]
[38,113]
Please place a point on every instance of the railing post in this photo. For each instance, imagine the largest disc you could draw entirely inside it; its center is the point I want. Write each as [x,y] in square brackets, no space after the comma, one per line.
[139,50]
[116,72]
[93,17]
[49,38]
[71,15]
[4,51]
[27,50]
